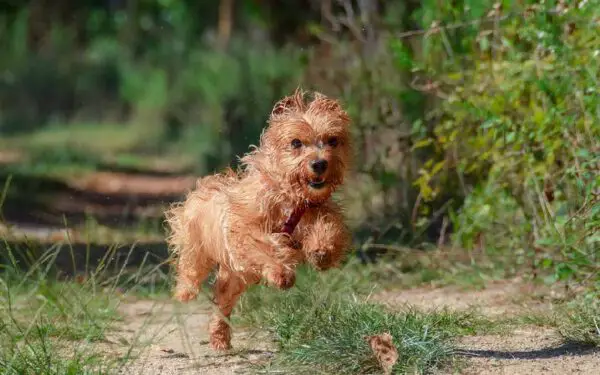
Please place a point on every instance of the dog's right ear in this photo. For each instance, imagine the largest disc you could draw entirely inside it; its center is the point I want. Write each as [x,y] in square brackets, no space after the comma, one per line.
[294,102]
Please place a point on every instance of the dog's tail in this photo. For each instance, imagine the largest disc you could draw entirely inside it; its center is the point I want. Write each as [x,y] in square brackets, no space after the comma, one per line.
[175,229]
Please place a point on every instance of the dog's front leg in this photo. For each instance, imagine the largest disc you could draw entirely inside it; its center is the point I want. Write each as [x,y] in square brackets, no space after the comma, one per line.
[325,237]
[269,255]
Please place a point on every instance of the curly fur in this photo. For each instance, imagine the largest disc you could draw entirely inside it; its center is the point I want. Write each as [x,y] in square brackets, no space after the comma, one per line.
[231,220]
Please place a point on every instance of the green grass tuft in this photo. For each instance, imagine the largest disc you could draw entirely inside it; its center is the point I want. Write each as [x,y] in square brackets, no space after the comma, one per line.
[54,326]
[322,324]
[578,321]
[581,322]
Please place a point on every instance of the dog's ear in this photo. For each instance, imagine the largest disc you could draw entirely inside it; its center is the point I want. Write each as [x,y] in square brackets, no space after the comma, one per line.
[282,105]
[325,105]
[294,102]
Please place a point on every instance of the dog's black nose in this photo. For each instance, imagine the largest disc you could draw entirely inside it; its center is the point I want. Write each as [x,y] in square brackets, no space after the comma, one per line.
[319,166]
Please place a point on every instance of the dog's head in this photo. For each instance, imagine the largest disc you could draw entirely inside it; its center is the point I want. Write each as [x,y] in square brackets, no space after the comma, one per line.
[308,142]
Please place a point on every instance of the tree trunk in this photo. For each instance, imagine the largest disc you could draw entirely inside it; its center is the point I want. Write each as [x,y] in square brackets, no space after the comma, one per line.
[225,23]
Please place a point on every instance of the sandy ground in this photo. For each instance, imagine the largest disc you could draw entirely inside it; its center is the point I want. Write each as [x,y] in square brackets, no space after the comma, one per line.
[497,299]
[526,350]
[175,341]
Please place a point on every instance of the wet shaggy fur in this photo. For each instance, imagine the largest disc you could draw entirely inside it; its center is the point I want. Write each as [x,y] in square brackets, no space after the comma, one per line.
[233,221]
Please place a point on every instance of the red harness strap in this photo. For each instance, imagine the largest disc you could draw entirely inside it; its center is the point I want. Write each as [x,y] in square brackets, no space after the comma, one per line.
[294,218]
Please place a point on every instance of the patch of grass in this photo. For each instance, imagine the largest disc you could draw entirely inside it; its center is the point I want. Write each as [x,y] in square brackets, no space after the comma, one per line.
[58,325]
[442,267]
[321,325]
[43,322]
[581,321]
[577,320]
[62,151]
[93,138]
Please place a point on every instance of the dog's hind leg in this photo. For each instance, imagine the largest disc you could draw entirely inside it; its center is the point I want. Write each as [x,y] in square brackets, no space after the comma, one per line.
[229,287]
[192,270]
[186,242]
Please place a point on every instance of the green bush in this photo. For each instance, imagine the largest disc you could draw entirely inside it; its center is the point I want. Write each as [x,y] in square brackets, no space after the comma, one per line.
[521,129]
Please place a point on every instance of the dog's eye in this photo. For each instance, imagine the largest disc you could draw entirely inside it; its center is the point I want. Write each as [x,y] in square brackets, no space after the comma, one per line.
[333,141]
[296,143]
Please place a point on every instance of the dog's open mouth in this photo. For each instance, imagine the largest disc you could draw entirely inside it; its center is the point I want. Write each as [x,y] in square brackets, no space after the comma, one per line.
[317,183]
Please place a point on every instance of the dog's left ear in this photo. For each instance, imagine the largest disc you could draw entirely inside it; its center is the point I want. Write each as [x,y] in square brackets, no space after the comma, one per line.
[324,103]
[294,102]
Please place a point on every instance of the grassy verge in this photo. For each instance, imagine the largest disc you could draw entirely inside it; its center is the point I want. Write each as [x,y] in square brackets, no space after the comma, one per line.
[43,323]
[445,267]
[57,325]
[577,320]
[321,326]
[66,151]
[575,314]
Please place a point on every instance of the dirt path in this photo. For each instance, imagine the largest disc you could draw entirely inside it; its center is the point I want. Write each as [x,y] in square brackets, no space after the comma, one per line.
[174,340]
[527,350]
[497,299]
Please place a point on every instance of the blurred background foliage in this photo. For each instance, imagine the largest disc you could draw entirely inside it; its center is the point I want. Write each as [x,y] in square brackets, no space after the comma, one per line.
[477,122]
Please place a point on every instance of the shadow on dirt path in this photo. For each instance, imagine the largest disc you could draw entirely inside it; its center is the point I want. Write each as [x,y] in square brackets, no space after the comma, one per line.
[568,349]
[528,351]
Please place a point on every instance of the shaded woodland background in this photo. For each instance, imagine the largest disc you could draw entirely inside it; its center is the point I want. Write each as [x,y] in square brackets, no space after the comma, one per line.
[477,123]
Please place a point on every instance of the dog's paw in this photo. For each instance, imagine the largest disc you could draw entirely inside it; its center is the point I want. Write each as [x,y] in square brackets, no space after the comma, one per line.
[321,259]
[282,278]
[185,294]
[218,344]
[283,242]
[220,334]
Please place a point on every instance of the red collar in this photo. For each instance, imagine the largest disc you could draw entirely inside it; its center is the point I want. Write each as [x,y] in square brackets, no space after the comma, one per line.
[294,218]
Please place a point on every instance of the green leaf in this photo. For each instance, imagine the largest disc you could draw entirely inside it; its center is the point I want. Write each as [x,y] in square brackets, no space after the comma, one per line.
[583,153]
[437,167]
[387,179]
[547,241]
[402,55]
[510,137]
[564,271]
[422,143]
[488,124]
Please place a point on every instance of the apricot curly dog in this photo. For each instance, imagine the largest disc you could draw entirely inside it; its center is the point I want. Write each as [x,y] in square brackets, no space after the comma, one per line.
[272,215]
